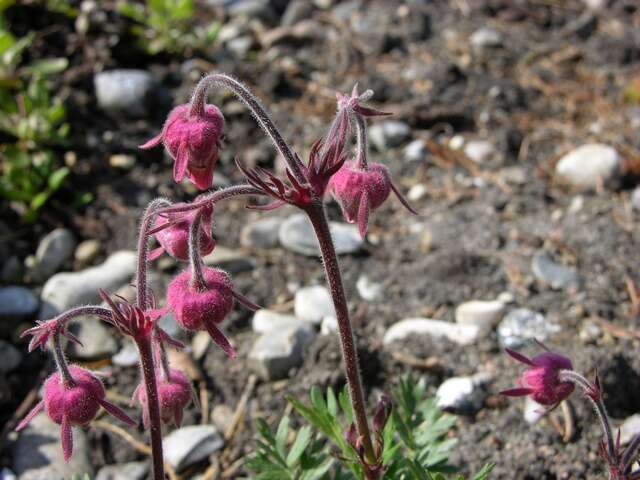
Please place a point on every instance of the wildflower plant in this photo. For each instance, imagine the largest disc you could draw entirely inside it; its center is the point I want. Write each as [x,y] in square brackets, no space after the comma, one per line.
[549,379]
[407,436]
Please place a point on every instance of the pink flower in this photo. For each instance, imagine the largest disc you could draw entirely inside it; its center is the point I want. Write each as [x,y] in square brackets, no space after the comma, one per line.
[174,394]
[202,309]
[542,379]
[73,404]
[174,239]
[193,141]
[359,190]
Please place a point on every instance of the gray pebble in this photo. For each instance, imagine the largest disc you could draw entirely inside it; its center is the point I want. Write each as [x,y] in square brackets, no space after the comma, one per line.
[523,325]
[189,445]
[125,90]
[558,277]
[389,134]
[124,471]
[262,233]
[313,303]
[296,234]
[54,250]
[590,165]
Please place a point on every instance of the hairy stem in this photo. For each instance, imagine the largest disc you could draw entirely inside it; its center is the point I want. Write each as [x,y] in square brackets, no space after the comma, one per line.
[349,354]
[212,198]
[143,250]
[151,387]
[257,110]
[61,361]
[630,452]
[195,259]
[362,145]
[98,311]
[596,401]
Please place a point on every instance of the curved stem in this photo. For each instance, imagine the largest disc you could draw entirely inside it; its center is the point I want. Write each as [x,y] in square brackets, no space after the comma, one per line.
[61,361]
[212,198]
[98,311]
[362,142]
[151,387]
[596,401]
[257,110]
[143,250]
[161,355]
[630,451]
[320,224]
[195,259]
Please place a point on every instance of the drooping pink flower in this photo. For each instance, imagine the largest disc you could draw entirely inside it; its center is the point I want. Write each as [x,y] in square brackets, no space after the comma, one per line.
[193,141]
[174,239]
[361,189]
[541,379]
[196,308]
[73,404]
[174,394]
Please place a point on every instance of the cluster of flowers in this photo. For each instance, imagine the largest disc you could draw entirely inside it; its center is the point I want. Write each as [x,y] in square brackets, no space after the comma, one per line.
[199,298]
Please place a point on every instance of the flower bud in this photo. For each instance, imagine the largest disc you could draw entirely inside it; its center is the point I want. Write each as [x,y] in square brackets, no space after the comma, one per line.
[174,239]
[71,404]
[202,307]
[542,379]
[193,141]
[174,394]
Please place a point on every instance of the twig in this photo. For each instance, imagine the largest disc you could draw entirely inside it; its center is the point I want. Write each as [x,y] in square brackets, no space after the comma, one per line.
[569,423]
[139,446]
[633,295]
[242,405]
[616,330]
[430,363]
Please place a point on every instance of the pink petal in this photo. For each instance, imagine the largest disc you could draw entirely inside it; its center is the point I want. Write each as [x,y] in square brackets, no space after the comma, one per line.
[245,301]
[155,253]
[363,214]
[151,143]
[66,437]
[116,412]
[519,356]
[219,338]
[180,163]
[34,411]
[517,392]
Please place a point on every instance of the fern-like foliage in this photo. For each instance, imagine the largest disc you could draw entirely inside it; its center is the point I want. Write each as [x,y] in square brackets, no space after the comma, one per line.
[417,440]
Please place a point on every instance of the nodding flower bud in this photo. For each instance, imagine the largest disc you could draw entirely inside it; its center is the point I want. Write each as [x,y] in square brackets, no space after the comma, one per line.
[541,379]
[359,190]
[174,394]
[202,307]
[193,141]
[174,239]
[73,403]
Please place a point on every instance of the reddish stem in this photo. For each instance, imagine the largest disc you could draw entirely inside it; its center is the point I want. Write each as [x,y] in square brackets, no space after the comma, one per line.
[316,214]
[151,387]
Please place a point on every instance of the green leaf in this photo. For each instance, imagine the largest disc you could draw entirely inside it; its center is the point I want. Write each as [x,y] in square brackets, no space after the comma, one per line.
[282,436]
[47,66]
[299,446]
[484,472]
[57,178]
[39,200]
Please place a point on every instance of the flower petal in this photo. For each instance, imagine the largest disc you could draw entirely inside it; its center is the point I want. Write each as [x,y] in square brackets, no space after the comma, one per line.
[116,412]
[66,437]
[152,142]
[34,411]
[221,340]
[517,392]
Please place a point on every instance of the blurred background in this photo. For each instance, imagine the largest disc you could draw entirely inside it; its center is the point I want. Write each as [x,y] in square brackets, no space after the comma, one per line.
[514,134]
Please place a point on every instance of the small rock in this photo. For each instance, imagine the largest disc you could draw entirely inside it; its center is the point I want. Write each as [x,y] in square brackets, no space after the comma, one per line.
[456,142]
[230,260]
[557,276]
[460,334]
[296,234]
[37,454]
[122,161]
[635,199]
[533,411]
[479,150]
[276,352]
[87,251]
[388,134]
[486,38]
[96,338]
[313,303]
[416,151]
[251,9]
[329,325]
[124,471]
[417,192]
[590,165]
[240,46]
[221,416]
[52,253]
[629,428]
[522,325]
[189,445]
[6,474]
[367,289]
[127,90]
[262,233]
[10,357]
[65,290]
[12,270]
[16,304]
[128,355]
[265,321]
[590,332]
[460,394]
[484,314]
